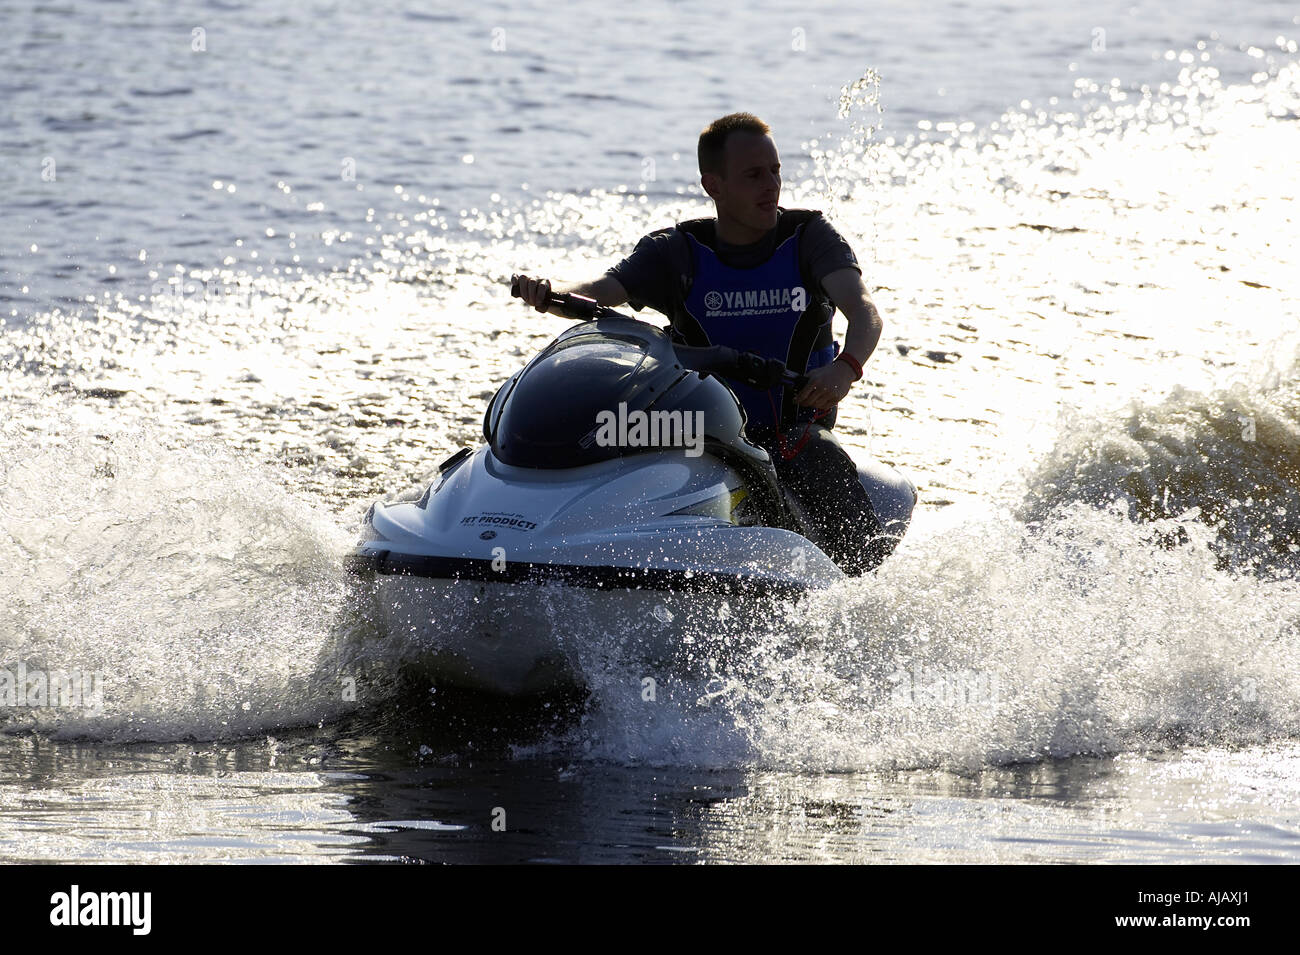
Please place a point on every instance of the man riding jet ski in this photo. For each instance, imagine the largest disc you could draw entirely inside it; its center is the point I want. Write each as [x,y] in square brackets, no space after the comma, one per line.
[647,495]
[768,280]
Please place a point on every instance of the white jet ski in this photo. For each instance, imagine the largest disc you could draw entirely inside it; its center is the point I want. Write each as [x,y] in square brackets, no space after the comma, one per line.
[615,507]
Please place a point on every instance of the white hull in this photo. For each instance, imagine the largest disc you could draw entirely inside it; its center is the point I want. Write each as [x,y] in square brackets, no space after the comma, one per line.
[518,639]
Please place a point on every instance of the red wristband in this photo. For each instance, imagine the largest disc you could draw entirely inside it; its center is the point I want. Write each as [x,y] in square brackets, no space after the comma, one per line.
[851,362]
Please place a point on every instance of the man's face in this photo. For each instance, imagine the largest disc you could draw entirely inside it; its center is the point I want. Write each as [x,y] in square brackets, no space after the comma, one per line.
[749,189]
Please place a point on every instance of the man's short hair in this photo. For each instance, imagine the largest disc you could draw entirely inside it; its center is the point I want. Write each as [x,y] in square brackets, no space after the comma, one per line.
[712,151]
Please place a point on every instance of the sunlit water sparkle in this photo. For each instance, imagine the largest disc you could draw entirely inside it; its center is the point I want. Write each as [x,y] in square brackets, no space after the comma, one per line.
[1085,650]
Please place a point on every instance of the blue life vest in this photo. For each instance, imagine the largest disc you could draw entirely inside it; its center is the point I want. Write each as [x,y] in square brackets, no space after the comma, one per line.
[771,309]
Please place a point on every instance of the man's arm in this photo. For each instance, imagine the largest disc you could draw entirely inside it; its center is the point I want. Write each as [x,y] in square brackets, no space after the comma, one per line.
[828,385]
[606,290]
[849,293]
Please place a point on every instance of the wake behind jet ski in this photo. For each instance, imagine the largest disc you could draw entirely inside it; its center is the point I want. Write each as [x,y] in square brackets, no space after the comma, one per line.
[616,494]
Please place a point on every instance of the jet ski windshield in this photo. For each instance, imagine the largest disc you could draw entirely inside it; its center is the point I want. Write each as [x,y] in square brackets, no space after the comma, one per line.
[550,414]
[616,353]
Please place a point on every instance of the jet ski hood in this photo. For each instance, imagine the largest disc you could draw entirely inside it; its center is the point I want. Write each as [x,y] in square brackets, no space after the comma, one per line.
[548,414]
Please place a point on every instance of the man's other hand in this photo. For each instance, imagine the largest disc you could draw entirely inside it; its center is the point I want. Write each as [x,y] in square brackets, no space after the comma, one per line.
[826,386]
[534,291]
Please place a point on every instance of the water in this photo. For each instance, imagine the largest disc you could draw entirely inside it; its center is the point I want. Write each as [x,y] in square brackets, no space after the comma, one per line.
[262,283]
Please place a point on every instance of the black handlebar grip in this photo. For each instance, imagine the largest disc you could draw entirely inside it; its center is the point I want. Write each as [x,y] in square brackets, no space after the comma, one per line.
[514,286]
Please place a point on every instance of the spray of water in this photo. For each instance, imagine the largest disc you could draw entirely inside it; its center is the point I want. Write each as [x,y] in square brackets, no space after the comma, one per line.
[196,589]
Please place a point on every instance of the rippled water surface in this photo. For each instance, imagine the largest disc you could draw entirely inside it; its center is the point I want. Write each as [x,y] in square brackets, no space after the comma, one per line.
[253,265]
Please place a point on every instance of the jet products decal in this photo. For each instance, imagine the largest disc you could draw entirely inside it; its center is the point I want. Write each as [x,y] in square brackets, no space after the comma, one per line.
[498,520]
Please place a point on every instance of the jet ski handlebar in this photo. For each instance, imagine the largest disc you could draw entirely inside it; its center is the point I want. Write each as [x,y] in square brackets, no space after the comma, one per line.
[747,367]
[743,366]
[568,304]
